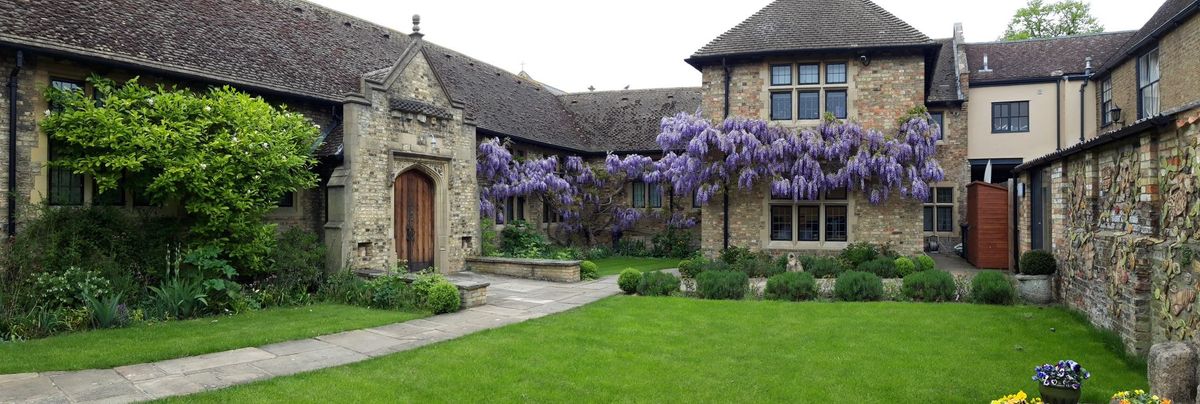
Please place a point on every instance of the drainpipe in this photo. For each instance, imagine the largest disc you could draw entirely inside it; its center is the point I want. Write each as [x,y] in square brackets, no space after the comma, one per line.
[1087,76]
[11,226]
[725,193]
[1058,114]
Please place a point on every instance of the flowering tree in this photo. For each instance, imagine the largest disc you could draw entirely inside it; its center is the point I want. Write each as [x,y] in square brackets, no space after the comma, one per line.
[703,158]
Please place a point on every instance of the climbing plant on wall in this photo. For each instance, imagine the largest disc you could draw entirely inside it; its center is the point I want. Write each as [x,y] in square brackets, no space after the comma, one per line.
[703,158]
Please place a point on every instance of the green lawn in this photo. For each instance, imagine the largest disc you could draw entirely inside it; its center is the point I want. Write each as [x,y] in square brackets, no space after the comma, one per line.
[614,265]
[175,339]
[643,349]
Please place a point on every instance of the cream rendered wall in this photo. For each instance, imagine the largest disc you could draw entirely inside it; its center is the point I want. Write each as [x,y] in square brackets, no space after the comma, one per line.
[1070,111]
[982,143]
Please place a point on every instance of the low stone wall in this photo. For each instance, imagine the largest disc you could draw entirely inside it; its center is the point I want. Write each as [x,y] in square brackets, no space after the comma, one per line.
[547,270]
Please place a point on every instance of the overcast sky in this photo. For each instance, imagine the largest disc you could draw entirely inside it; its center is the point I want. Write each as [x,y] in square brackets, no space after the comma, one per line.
[642,43]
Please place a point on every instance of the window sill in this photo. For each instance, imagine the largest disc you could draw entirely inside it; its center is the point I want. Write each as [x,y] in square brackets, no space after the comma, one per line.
[806,245]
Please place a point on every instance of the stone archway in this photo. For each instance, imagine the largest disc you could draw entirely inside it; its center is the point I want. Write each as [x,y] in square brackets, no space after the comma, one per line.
[415,219]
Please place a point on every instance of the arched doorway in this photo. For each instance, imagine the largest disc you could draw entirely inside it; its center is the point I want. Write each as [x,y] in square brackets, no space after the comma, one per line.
[414,216]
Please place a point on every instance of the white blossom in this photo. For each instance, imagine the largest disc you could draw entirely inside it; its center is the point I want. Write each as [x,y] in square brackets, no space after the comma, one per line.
[203,166]
[47,112]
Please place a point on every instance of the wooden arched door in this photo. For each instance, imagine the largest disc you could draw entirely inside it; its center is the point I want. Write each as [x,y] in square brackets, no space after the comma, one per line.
[414,219]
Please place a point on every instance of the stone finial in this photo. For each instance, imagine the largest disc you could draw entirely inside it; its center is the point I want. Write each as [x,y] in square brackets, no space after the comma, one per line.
[416,23]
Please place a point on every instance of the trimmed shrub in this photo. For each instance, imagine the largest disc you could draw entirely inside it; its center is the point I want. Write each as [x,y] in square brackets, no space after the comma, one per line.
[629,280]
[929,286]
[924,262]
[691,268]
[732,255]
[794,286]
[443,298]
[824,267]
[758,265]
[992,287]
[858,286]
[883,267]
[857,253]
[589,270]
[721,285]
[1037,262]
[658,283]
[904,266]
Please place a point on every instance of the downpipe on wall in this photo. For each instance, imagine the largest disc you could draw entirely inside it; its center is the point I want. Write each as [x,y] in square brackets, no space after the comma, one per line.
[11,224]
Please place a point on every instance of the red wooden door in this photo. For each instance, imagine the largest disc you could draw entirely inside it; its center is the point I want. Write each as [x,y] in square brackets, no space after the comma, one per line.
[414,220]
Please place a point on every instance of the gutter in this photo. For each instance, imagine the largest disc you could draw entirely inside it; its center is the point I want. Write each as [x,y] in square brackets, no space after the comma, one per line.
[11,225]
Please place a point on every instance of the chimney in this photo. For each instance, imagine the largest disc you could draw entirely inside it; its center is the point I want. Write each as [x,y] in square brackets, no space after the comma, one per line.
[1087,70]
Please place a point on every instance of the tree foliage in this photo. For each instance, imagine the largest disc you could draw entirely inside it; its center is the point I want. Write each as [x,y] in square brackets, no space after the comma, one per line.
[222,157]
[1041,20]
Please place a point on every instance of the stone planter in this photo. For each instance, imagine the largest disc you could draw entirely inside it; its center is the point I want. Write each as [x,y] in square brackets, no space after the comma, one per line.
[1036,289]
[528,268]
[1058,395]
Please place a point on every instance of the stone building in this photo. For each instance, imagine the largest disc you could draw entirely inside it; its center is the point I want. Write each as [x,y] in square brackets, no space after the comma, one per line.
[1119,210]
[783,65]
[401,116]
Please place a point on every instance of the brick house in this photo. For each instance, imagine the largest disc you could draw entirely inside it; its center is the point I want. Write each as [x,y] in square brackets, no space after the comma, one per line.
[783,64]
[1118,210]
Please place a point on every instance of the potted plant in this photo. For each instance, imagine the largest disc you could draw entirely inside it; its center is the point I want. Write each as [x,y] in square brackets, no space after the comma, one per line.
[1060,383]
[1035,283]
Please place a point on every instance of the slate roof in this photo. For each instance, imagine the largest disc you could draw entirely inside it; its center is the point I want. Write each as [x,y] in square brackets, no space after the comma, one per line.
[420,107]
[801,25]
[288,47]
[628,120]
[1159,23]
[944,85]
[1041,58]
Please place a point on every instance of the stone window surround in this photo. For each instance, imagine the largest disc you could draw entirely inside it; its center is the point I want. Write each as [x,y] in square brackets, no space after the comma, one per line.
[765,233]
[933,203]
[821,87]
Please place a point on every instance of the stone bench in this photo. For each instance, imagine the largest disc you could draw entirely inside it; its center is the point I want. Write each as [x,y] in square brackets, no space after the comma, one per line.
[528,268]
[470,292]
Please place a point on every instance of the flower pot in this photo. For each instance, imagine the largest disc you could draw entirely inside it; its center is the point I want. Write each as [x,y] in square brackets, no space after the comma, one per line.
[1036,289]
[1059,395]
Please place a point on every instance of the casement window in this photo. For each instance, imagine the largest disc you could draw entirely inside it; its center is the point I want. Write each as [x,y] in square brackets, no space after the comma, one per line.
[1106,101]
[812,91]
[512,209]
[1010,117]
[781,106]
[822,220]
[835,73]
[287,200]
[1148,75]
[646,195]
[835,103]
[940,120]
[781,75]
[64,186]
[810,105]
[112,197]
[549,214]
[809,74]
[939,211]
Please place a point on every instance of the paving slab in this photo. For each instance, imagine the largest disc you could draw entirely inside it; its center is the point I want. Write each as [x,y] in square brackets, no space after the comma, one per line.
[306,361]
[361,341]
[213,360]
[510,300]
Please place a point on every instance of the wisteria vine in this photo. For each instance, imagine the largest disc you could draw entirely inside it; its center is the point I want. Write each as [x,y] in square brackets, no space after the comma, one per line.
[702,158]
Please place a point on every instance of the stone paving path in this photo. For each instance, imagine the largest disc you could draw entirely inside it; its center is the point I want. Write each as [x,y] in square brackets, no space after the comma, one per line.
[509,301]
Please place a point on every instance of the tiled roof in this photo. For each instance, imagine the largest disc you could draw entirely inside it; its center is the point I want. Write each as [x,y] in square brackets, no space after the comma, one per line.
[628,120]
[944,85]
[289,47]
[1041,58]
[799,25]
[501,102]
[1161,21]
[420,107]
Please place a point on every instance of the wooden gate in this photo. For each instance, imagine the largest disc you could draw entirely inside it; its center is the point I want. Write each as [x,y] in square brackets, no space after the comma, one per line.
[414,219]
